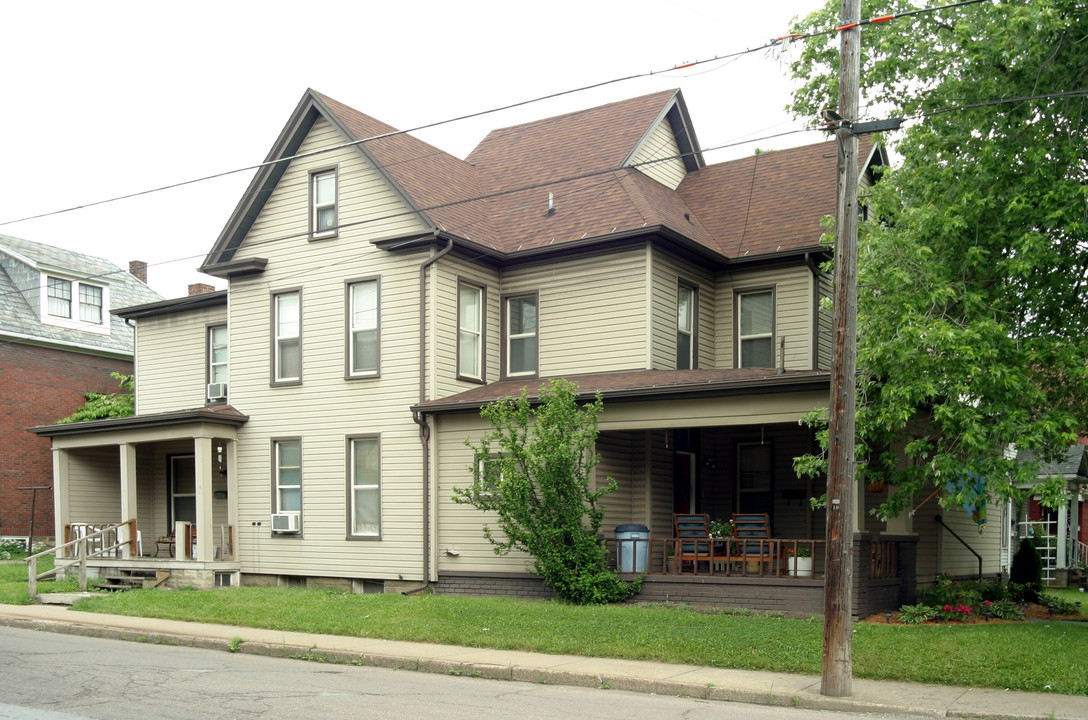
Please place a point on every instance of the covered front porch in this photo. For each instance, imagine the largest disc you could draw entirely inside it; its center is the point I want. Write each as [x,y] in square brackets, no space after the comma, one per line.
[150,493]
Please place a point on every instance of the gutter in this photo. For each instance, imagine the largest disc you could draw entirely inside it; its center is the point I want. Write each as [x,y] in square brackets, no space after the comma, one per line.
[420,418]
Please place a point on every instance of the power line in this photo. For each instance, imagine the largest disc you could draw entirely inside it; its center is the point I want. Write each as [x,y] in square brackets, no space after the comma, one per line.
[604,83]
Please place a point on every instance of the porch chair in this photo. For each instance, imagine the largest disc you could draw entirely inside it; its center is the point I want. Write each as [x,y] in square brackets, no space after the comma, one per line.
[693,531]
[753,538]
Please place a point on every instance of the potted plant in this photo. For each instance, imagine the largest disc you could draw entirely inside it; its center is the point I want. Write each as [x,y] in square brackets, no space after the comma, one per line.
[800,560]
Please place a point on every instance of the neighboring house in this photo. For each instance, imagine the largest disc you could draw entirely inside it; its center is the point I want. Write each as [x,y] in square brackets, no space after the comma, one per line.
[58,341]
[1061,534]
[381,291]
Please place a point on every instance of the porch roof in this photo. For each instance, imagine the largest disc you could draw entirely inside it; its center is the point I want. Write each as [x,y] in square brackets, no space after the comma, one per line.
[215,414]
[635,385]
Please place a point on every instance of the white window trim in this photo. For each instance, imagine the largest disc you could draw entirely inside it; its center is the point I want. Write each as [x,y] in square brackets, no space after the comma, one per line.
[210,352]
[478,373]
[755,336]
[316,207]
[353,486]
[510,337]
[352,329]
[277,443]
[73,322]
[277,339]
[690,331]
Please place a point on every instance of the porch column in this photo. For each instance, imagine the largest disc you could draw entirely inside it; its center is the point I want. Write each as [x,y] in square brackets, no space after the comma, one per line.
[61,510]
[1062,561]
[902,524]
[231,448]
[128,494]
[203,457]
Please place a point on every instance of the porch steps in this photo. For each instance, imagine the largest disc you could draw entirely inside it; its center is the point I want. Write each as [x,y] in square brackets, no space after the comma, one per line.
[128,579]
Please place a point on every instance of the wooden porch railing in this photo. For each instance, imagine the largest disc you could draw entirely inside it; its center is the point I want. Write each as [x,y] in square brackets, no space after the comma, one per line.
[745,557]
[883,560]
[98,538]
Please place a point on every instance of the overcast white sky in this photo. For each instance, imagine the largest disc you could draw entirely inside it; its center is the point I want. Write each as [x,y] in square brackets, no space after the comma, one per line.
[110,98]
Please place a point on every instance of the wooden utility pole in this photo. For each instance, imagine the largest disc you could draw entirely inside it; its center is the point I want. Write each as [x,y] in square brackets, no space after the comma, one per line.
[837,678]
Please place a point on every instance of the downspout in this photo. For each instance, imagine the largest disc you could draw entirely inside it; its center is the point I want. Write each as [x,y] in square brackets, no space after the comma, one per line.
[421,418]
[814,268]
[962,542]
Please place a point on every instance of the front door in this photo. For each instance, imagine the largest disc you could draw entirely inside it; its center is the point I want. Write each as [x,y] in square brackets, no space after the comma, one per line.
[683,493]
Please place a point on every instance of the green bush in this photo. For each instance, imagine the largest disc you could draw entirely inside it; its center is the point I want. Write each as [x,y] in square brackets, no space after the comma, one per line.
[1027,571]
[1058,606]
[917,614]
[532,471]
[1005,610]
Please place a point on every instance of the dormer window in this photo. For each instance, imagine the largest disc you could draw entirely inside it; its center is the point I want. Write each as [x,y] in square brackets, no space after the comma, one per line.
[75,304]
[323,201]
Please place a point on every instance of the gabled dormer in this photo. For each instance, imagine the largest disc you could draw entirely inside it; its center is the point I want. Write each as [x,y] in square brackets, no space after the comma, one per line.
[669,150]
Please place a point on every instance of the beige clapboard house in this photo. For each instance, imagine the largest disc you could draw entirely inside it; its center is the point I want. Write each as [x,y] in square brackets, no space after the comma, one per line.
[308,424]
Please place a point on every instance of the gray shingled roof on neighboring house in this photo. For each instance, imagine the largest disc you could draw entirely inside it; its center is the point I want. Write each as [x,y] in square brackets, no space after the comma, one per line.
[23,266]
[1074,463]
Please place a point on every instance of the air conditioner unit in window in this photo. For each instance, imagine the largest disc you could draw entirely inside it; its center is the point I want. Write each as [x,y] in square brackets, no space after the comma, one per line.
[285,522]
[217,391]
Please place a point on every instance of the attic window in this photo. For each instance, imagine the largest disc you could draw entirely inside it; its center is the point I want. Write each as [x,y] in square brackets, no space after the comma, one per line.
[74,304]
[323,201]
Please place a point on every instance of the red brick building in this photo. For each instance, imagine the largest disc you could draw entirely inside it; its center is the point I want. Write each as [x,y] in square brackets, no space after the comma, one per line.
[58,341]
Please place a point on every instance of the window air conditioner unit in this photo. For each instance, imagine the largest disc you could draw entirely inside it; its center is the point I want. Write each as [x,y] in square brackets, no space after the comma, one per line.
[285,522]
[217,391]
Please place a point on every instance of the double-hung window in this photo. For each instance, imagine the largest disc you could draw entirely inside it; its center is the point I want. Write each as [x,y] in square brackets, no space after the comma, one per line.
[287,458]
[75,304]
[470,331]
[364,486]
[60,297]
[287,340]
[217,354]
[521,335]
[685,327]
[323,221]
[364,349]
[755,329]
[90,304]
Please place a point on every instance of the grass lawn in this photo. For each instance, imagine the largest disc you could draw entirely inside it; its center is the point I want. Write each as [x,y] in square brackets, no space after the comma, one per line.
[1035,657]
[13,586]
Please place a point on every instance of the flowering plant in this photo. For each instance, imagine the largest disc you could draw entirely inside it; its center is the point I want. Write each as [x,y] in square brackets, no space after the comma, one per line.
[721,528]
[802,552]
[957,613]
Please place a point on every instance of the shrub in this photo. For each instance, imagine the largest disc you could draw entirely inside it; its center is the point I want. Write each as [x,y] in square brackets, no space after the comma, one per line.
[1058,606]
[1005,610]
[917,614]
[1027,571]
[533,471]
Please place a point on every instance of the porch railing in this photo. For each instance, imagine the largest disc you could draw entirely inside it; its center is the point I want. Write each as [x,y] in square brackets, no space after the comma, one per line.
[1080,556]
[94,543]
[883,560]
[744,557]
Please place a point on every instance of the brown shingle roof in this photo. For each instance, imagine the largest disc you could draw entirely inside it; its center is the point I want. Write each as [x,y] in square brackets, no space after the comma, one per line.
[768,202]
[638,385]
[499,196]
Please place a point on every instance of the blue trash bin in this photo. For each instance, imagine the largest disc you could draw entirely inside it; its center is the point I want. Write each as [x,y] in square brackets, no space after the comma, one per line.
[632,548]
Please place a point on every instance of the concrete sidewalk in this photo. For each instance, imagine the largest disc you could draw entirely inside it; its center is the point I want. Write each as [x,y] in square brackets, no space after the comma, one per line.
[764,688]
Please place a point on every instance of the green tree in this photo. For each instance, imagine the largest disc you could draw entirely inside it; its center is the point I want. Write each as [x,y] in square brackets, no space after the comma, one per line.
[107,405]
[972,320]
[533,471]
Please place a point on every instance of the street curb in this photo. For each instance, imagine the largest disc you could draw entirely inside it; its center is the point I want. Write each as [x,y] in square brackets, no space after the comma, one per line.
[807,698]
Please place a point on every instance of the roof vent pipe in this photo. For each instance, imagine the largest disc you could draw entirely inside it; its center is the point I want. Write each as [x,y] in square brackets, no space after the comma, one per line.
[551,204]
